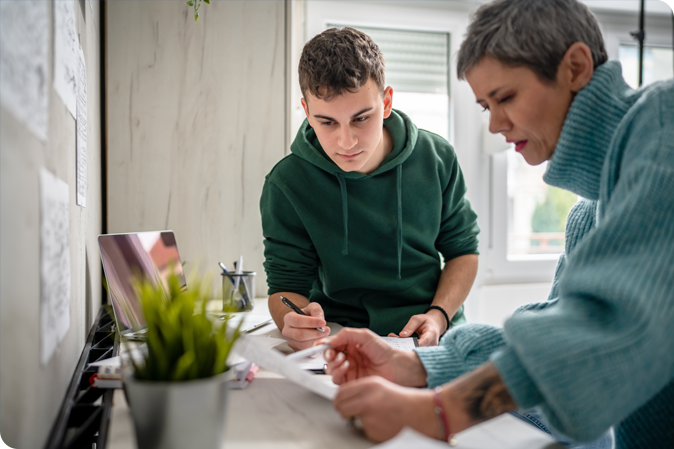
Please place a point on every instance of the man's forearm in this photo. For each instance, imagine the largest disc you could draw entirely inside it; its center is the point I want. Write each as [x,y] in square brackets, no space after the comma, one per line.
[278,310]
[455,283]
[476,397]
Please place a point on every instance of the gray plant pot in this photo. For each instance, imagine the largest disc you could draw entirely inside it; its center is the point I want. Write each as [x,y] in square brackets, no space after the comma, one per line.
[178,415]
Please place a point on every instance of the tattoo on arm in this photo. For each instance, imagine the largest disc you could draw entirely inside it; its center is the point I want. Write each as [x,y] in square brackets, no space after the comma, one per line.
[485,394]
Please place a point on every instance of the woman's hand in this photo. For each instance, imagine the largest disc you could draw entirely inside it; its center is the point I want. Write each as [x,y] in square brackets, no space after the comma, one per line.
[300,330]
[385,408]
[428,326]
[359,353]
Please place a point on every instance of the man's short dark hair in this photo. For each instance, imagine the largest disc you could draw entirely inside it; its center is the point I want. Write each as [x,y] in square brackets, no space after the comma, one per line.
[338,60]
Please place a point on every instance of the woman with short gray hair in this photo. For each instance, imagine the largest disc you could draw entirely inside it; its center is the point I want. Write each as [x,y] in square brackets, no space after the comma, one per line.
[598,353]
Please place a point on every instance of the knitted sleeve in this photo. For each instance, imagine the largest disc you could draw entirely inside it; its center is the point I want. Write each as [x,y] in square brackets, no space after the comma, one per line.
[605,347]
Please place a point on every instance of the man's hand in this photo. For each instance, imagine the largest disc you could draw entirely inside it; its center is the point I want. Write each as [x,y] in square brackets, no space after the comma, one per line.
[385,408]
[360,353]
[428,326]
[300,331]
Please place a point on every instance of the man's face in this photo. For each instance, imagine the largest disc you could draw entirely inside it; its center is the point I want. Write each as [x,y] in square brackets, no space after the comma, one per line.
[350,126]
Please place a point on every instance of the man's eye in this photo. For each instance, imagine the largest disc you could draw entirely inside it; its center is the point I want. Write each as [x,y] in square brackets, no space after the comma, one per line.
[326,123]
[361,119]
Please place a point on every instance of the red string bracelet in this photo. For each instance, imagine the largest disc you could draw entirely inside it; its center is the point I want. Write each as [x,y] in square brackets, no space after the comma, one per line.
[440,412]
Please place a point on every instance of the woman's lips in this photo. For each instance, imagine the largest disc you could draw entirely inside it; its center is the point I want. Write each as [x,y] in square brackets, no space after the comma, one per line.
[519,145]
[349,156]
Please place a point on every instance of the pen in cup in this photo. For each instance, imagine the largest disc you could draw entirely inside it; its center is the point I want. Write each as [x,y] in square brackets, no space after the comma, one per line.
[297,310]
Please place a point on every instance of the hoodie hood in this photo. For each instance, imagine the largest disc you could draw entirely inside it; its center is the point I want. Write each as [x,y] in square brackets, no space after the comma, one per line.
[404,136]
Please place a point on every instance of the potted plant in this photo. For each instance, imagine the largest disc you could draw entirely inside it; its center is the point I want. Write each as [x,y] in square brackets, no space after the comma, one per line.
[177,394]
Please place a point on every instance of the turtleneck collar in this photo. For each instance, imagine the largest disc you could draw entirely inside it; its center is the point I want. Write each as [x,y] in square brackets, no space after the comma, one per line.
[593,117]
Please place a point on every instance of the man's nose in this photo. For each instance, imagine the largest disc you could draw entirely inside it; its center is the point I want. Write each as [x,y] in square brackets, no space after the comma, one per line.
[347,138]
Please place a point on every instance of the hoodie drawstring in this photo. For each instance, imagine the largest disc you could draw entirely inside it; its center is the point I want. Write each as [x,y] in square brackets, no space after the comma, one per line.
[345,214]
[399,188]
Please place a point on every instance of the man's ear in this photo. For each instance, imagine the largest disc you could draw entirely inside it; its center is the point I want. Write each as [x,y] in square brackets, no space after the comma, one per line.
[388,101]
[578,66]
[305,107]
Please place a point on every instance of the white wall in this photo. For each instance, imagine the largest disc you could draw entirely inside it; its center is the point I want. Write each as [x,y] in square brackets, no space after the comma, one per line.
[196,119]
[31,394]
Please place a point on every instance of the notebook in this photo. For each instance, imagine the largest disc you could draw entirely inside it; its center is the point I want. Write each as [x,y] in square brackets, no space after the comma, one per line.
[150,255]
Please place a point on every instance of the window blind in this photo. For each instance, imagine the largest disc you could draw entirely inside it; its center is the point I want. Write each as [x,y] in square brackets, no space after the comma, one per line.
[415,61]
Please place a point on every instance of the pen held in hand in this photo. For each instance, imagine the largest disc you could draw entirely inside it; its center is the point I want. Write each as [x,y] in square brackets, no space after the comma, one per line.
[297,310]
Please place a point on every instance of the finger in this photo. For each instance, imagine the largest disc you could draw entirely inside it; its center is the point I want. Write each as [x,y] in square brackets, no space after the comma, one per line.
[392,335]
[300,334]
[314,309]
[340,374]
[302,321]
[428,338]
[412,325]
[350,336]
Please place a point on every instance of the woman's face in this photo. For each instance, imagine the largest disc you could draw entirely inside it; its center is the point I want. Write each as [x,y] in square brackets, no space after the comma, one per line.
[526,110]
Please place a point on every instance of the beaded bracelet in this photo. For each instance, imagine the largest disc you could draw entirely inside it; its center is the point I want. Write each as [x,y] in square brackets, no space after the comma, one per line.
[442,416]
[444,313]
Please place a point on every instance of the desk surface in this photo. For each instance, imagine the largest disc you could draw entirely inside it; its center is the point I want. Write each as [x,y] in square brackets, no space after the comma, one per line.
[272,412]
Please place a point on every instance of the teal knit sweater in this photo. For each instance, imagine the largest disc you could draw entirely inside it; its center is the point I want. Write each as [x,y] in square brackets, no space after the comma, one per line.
[601,352]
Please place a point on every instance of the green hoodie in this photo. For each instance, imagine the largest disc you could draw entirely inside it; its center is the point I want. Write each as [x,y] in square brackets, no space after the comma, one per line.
[365,246]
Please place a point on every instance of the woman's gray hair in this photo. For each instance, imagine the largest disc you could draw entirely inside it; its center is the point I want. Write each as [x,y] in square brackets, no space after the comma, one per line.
[531,33]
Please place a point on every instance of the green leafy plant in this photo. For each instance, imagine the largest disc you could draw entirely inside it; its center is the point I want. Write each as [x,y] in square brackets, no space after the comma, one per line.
[183,343]
[197,4]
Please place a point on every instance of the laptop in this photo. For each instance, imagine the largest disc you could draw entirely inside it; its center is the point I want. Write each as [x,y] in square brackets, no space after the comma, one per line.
[150,255]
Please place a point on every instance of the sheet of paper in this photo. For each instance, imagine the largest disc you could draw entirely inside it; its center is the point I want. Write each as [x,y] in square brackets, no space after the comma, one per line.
[81,128]
[54,263]
[503,432]
[272,360]
[65,53]
[317,362]
[24,63]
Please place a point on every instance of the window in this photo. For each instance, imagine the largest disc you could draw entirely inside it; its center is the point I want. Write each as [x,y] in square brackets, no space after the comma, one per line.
[658,64]
[417,67]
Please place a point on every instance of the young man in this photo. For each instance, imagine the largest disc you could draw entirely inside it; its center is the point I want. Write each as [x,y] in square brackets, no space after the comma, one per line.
[355,218]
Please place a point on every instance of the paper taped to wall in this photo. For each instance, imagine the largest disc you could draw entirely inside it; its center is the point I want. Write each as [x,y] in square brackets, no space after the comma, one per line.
[54,263]
[65,54]
[24,56]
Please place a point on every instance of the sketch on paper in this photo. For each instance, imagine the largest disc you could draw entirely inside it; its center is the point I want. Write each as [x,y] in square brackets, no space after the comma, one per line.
[24,56]
[65,53]
[81,129]
[54,263]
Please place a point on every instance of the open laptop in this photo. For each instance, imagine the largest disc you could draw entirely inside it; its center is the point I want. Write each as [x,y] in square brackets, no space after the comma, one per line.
[151,255]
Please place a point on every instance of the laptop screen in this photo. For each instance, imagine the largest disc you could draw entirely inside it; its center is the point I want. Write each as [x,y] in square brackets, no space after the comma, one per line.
[126,257]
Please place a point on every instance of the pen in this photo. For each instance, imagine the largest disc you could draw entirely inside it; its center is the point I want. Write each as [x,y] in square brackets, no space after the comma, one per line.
[224,270]
[297,310]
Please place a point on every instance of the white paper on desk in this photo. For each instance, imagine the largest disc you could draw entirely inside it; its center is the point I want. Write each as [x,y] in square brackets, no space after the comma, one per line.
[65,53]
[81,128]
[54,263]
[503,432]
[317,362]
[272,360]
[24,63]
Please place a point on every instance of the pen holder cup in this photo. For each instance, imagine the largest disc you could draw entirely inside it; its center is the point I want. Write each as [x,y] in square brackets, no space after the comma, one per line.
[238,291]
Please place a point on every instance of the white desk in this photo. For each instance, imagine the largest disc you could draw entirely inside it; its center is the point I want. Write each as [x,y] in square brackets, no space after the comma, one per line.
[272,412]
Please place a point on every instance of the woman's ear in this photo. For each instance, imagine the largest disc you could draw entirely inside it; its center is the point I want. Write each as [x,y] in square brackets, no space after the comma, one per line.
[578,66]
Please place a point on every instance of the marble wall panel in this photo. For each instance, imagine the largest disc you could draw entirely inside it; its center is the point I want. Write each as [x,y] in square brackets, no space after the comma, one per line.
[195,120]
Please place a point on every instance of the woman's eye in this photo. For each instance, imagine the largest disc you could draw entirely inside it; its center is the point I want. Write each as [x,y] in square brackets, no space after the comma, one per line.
[506,98]
[485,108]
